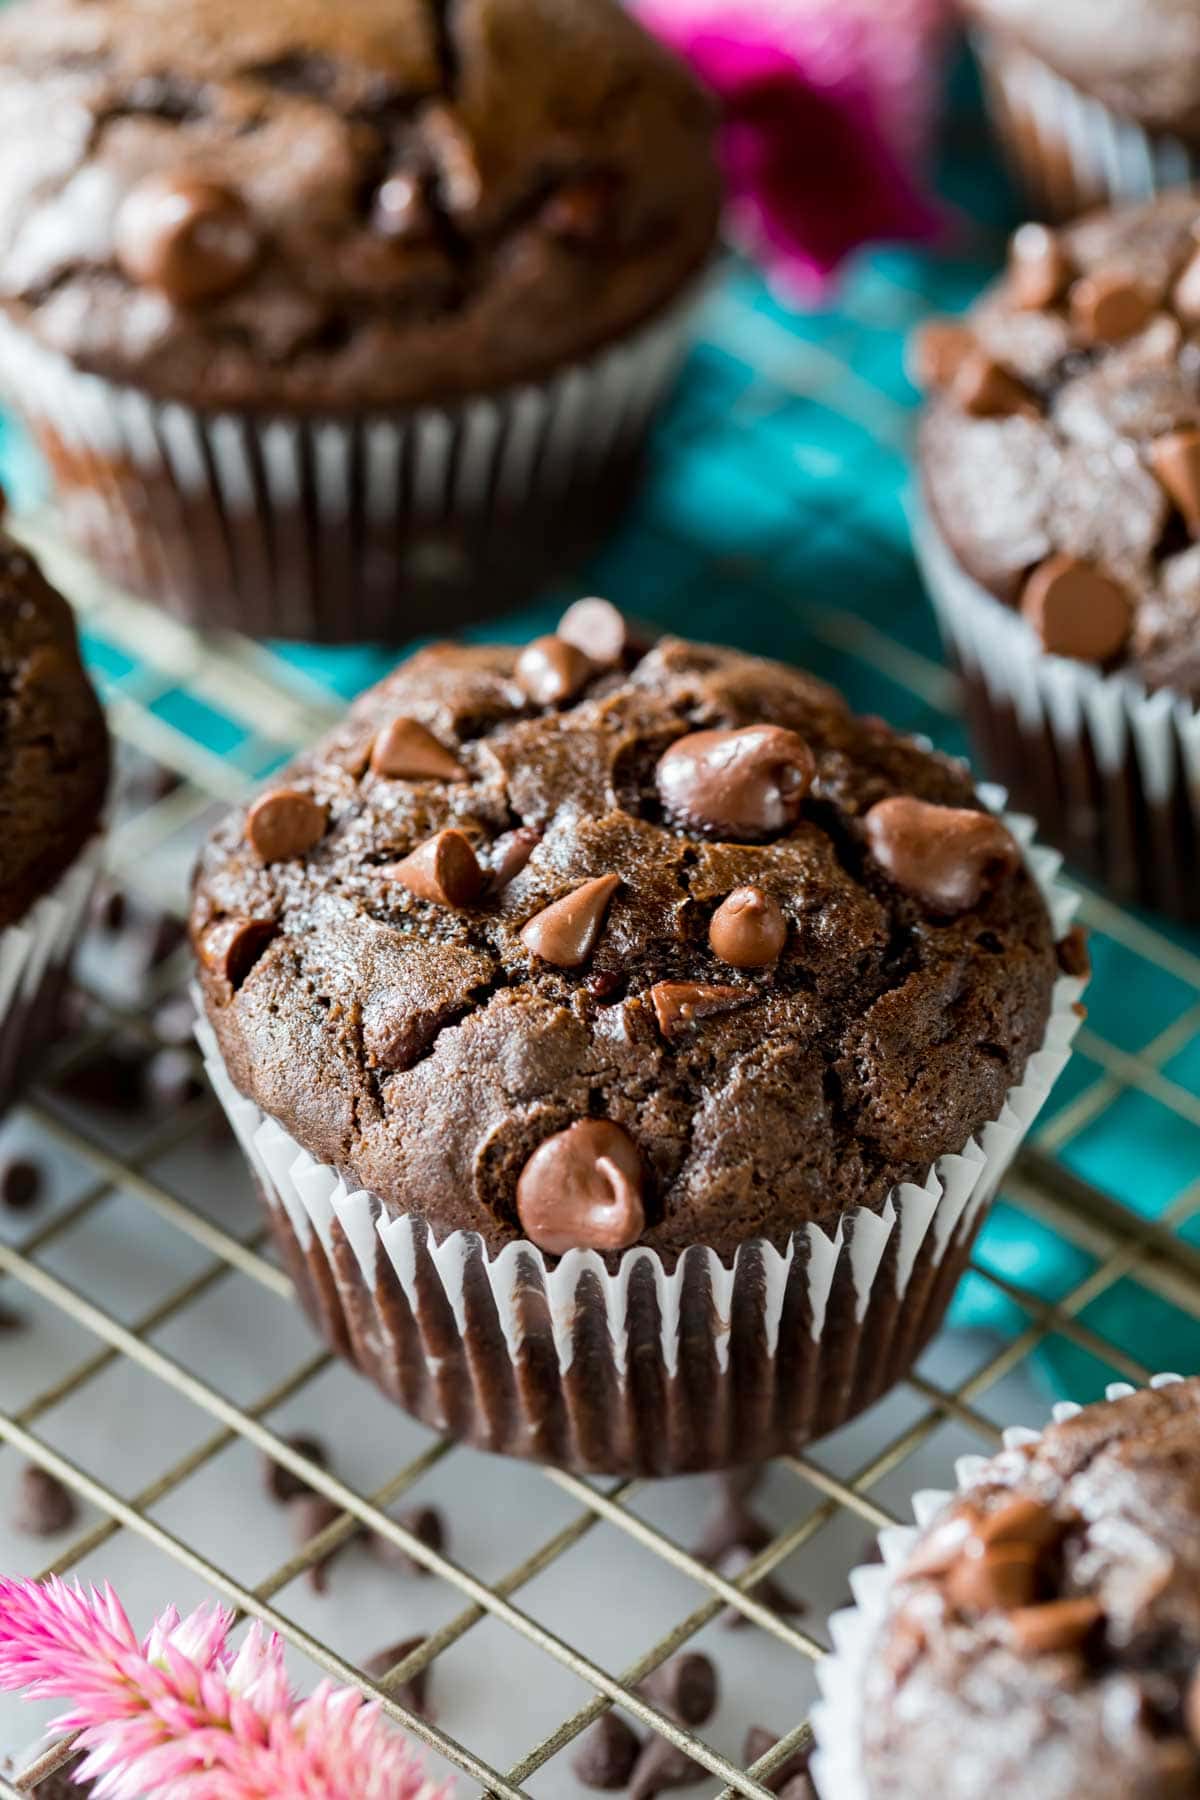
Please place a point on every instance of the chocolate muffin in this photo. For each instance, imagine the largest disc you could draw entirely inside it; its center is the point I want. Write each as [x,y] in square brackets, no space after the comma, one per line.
[1060,465]
[53,775]
[654,954]
[333,320]
[1095,100]
[1041,1638]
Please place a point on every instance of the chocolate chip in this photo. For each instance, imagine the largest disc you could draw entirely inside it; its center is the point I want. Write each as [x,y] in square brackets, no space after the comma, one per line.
[285,823]
[231,947]
[426,1523]
[997,1579]
[1175,459]
[551,671]
[598,629]
[1076,610]
[731,1526]
[606,1755]
[1186,295]
[1074,957]
[1021,1520]
[192,239]
[405,751]
[1055,1626]
[582,1190]
[281,1484]
[1039,269]
[43,1506]
[944,856]
[744,784]
[20,1183]
[566,932]
[660,1768]
[680,1004]
[987,390]
[794,1768]
[767,1590]
[401,210]
[1109,306]
[686,1687]
[444,869]
[936,352]
[10,1321]
[311,1514]
[579,211]
[412,1694]
[748,929]
[110,908]
[509,855]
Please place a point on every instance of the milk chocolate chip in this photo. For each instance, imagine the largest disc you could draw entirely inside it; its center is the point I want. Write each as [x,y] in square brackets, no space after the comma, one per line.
[997,1579]
[582,1190]
[1075,609]
[551,671]
[748,929]
[678,1004]
[1055,1626]
[444,869]
[405,751]
[606,1755]
[1039,269]
[945,856]
[1109,306]
[987,390]
[1175,459]
[598,629]
[565,932]
[190,238]
[744,784]
[231,947]
[284,824]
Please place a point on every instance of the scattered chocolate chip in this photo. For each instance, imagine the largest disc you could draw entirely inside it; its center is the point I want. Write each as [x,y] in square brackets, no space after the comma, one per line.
[284,824]
[1039,268]
[686,1687]
[606,1754]
[1055,1626]
[444,869]
[412,1694]
[110,908]
[43,1506]
[405,751]
[281,1484]
[231,947]
[987,390]
[1076,609]
[566,932]
[310,1514]
[426,1523]
[551,670]
[582,1190]
[1186,295]
[509,856]
[999,1578]
[792,1769]
[745,784]
[732,1525]
[170,1081]
[192,239]
[1074,957]
[748,929]
[936,352]
[767,1590]
[660,1768]
[944,856]
[1109,306]
[597,628]
[401,210]
[20,1183]
[10,1321]
[579,212]
[1175,459]
[680,1004]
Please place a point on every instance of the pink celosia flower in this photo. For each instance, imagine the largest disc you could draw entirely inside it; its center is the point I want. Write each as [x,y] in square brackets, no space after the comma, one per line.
[185,1716]
[826,107]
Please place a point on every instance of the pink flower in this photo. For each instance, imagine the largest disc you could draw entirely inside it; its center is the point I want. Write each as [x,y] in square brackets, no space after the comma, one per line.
[826,105]
[185,1716]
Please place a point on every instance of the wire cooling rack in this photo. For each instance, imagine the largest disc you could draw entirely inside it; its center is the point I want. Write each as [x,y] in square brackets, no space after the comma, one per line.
[164,1352]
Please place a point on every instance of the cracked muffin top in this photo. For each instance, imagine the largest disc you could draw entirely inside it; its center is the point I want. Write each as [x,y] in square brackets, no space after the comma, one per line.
[597,943]
[54,757]
[373,202]
[1044,1639]
[1060,452]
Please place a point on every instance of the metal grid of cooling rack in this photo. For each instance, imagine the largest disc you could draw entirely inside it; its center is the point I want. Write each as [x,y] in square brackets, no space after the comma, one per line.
[145,660]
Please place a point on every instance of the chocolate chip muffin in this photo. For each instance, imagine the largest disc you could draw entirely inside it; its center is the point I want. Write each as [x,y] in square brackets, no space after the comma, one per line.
[1042,1637]
[1095,100]
[53,775]
[331,319]
[1060,464]
[657,955]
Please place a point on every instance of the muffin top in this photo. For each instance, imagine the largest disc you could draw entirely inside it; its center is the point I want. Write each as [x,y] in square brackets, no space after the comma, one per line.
[1060,452]
[1044,1640]
[367,203]
[597,944]
[1141,57]
[53,740]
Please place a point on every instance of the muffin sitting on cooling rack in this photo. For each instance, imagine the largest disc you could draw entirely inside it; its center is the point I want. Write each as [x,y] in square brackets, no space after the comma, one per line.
[54,765]
[342,319]
[627,1040]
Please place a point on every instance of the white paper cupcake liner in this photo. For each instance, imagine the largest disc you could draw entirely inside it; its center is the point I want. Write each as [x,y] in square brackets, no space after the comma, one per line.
[837,1766]
[344,528]
[1110,770]
[35,954]
[1071,151]
[645,1369]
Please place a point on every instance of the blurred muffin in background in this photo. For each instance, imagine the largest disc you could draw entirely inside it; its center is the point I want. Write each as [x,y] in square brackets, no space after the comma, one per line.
[340,321]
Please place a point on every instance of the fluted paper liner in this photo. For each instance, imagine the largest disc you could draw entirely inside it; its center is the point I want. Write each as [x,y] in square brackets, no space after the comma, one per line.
[645,1369]
[837,1767]
[1071,150]
[35,954]
[1111,769]
[340,528]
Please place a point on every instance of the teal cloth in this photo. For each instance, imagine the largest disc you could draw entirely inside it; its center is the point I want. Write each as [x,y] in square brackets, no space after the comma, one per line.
[773,517]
